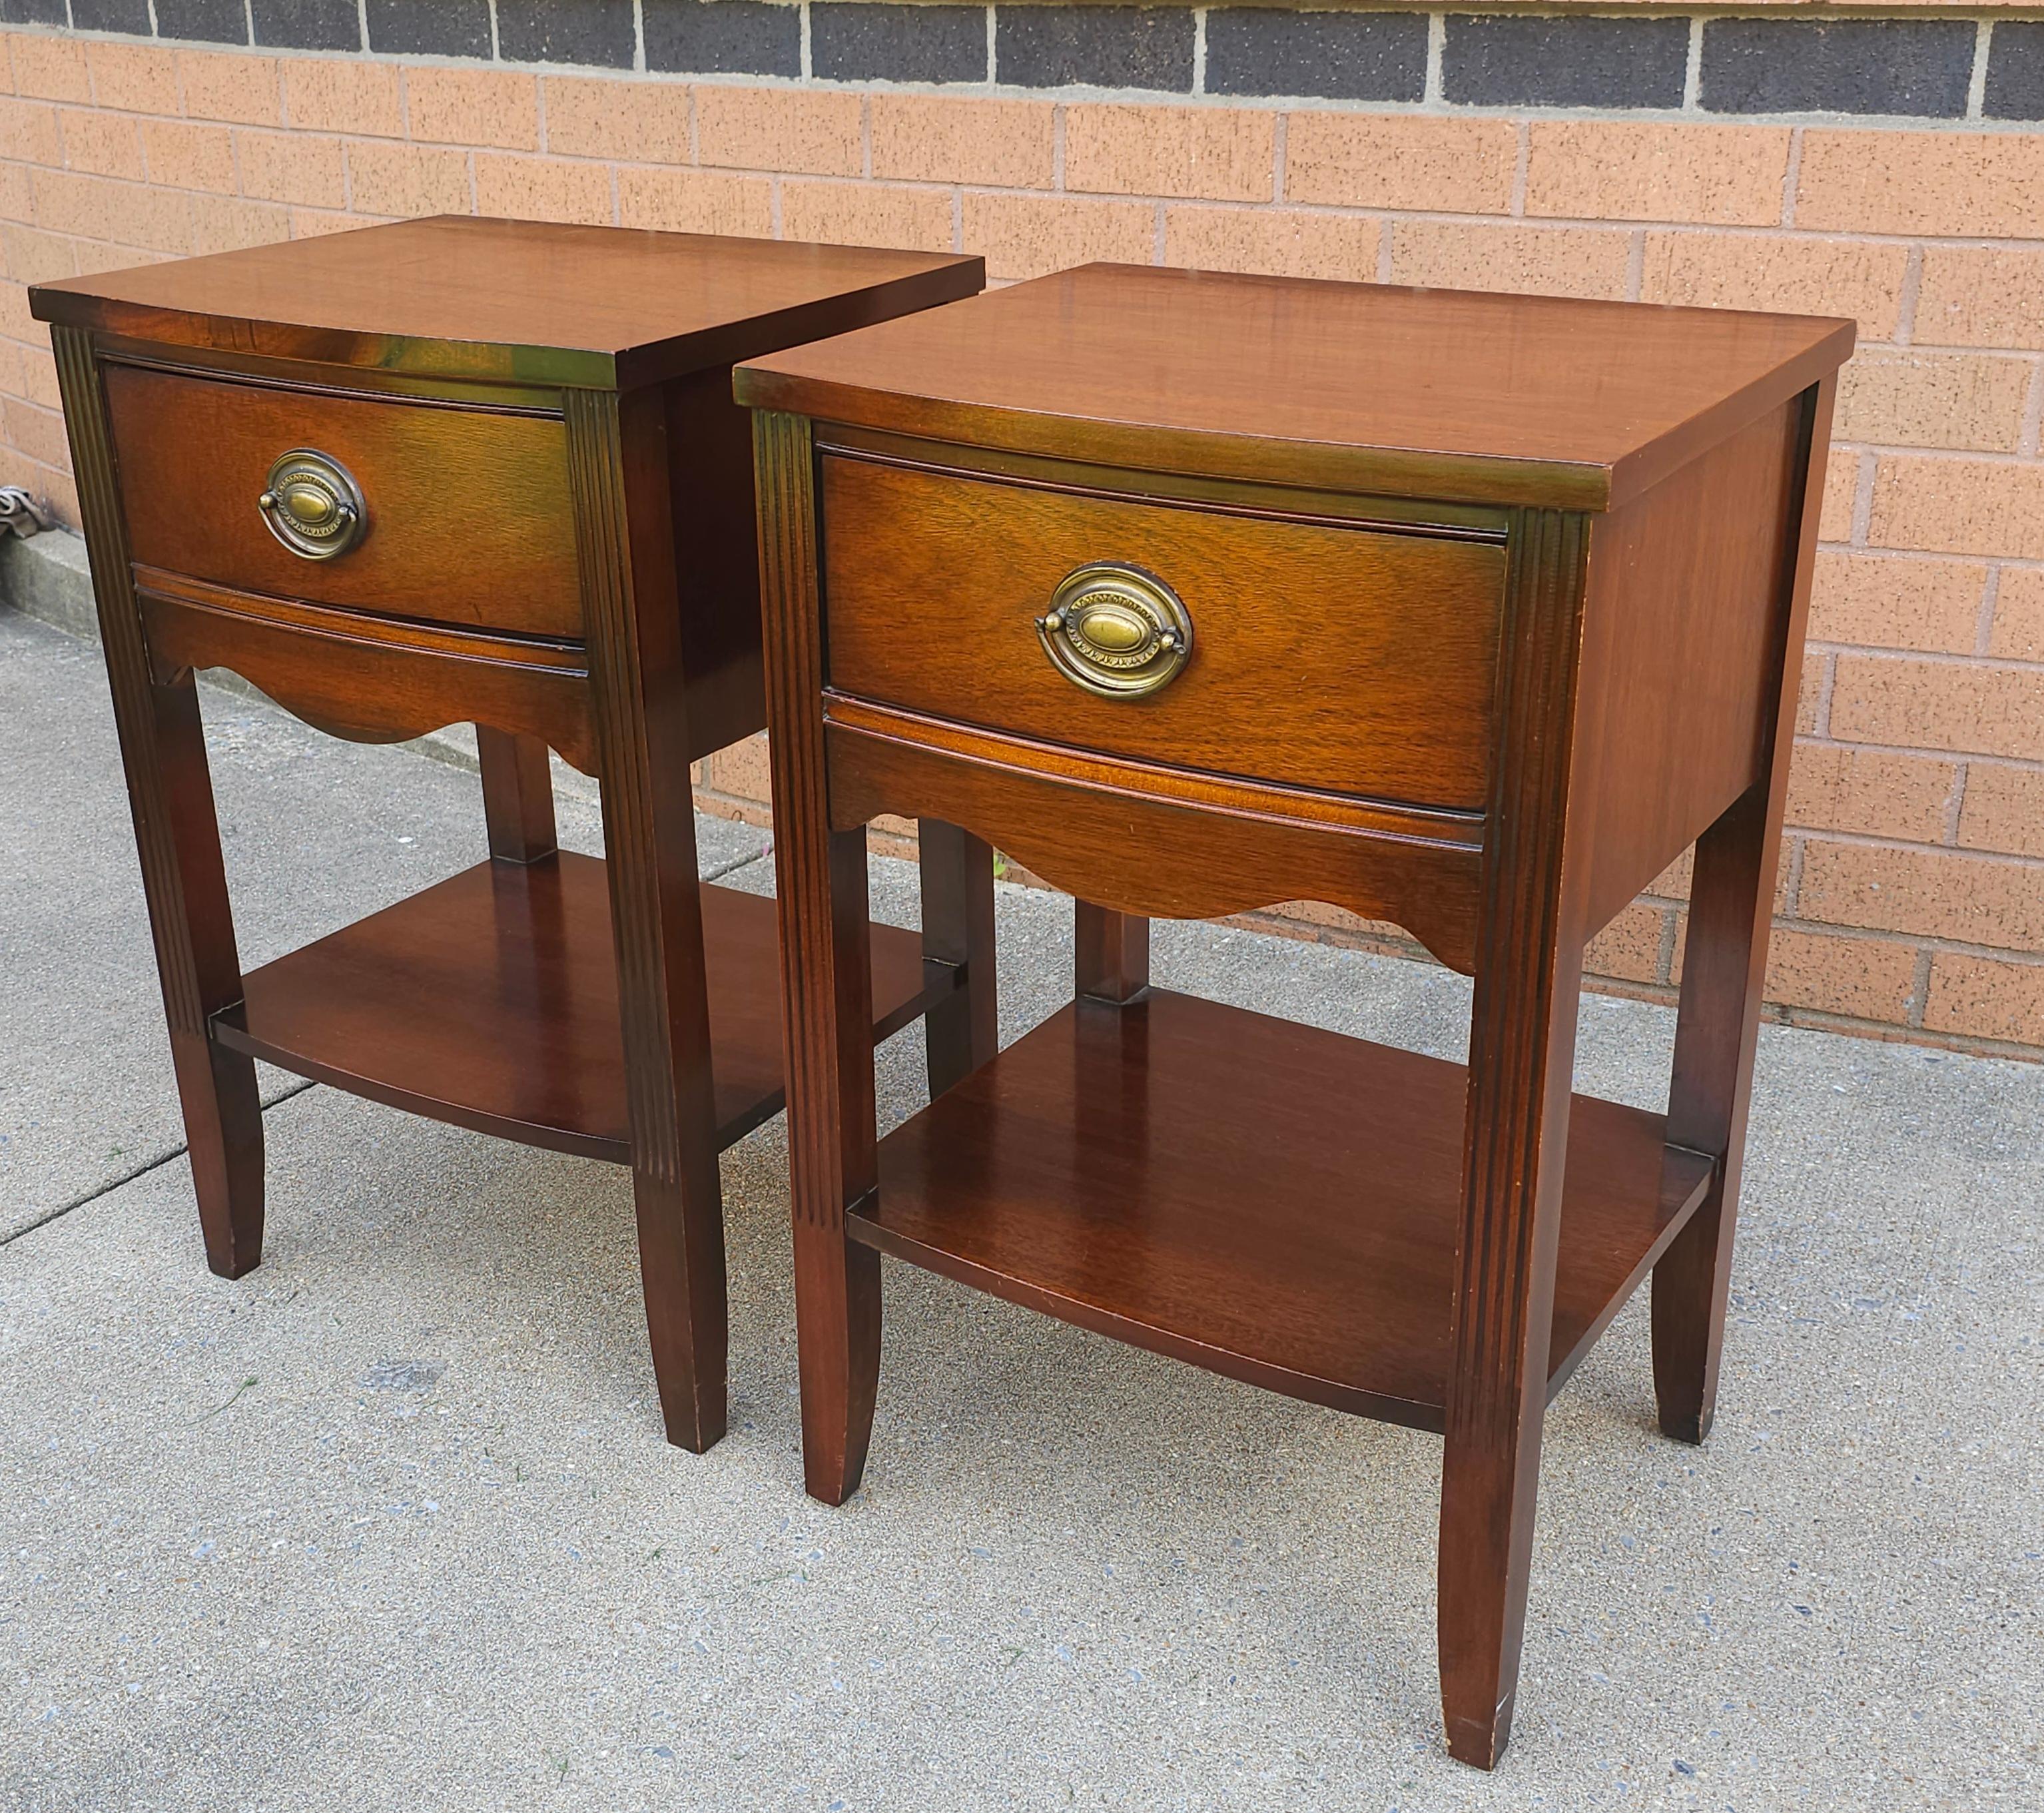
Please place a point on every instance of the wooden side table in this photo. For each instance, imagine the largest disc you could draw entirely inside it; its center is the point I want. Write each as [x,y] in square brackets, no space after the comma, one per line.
[459,470]
[1200,593]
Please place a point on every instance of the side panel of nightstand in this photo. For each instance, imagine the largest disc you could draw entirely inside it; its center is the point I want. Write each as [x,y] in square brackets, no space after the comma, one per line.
[1684,623]
[717,561]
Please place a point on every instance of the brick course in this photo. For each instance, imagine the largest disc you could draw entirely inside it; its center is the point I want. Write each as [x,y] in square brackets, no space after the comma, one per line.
[1556,154]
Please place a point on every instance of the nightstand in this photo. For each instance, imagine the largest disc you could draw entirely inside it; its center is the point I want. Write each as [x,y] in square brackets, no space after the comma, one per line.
[1196,593]
[457,470]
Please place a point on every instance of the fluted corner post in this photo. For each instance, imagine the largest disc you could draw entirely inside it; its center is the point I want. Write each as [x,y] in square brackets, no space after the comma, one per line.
[963,1028]
[826,981]
[1522,1049]
[1724,971]
[177,836]
[618,478]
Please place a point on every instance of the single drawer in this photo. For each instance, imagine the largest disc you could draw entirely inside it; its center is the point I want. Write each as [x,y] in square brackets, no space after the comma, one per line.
[465,512]
[1347,660]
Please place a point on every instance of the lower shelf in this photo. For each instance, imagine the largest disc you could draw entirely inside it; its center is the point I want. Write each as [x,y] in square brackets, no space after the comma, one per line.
[490,1001]
[1269,1200]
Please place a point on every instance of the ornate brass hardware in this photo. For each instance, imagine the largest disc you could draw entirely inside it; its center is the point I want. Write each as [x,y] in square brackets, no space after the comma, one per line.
[313,506]
[1117,630]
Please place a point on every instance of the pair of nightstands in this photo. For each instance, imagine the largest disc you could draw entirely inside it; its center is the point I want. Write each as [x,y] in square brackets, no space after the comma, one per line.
[1196,593]
[458,470]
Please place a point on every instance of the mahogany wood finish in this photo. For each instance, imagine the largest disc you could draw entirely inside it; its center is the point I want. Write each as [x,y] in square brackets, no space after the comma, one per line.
[963,1028]
[1096,1170]
[517,795]
[1392,638]
[1498,604]
[1217,847]
[374,680]
[821,886]
[1522,1050]
[460,498]
[509,302]
[1110,954]
[1442,396]
[557,547]
[1731,898]
[490,999]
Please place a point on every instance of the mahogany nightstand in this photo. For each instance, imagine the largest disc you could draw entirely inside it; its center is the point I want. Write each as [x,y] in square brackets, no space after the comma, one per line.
[460,470]
[1200,593]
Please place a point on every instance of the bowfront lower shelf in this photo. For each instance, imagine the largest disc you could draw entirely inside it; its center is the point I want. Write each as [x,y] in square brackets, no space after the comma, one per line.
[490,1001]
[1270,1200]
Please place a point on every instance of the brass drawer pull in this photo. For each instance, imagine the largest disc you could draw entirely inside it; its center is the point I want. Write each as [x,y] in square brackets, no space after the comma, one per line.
[313,506]
[1117,630]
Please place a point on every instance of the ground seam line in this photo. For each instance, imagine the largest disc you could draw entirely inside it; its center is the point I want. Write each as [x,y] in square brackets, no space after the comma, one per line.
[155,1164]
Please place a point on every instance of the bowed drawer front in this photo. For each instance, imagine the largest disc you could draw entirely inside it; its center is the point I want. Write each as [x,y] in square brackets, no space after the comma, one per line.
[464,513]
[1321,655]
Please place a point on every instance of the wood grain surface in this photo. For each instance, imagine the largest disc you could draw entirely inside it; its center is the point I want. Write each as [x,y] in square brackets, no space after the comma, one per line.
[490,1000]
[1338,659]
[1097,1170]
[1370,387]
[536,301]
[468,517]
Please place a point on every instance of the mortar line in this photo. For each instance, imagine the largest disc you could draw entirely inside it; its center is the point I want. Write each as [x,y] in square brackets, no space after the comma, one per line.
[155,1164]
[1990,599]
[1977,80]
[1905,304]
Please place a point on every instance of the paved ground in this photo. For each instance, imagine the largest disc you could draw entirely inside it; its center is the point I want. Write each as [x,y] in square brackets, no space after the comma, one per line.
[390,1521]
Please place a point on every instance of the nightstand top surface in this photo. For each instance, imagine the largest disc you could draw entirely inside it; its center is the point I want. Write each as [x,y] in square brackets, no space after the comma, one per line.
[510,298]
[1482,397]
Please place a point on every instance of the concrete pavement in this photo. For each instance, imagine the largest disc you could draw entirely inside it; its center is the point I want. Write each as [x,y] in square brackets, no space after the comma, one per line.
[390,1522]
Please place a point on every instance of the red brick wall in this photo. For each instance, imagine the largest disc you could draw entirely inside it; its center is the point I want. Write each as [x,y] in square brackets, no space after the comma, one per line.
[1912,894]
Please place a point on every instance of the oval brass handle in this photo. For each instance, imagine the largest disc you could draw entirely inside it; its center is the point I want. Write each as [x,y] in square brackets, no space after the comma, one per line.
[1117,630]
[312,504]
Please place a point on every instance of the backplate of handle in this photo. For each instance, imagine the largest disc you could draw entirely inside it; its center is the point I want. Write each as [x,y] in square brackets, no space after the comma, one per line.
[1117,630]
[312,504]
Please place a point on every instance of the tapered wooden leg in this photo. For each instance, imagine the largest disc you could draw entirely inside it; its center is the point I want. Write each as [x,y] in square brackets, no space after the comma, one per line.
[837,1280]
[1731,902]
[1518,1102]
[1110,953]
[963,1030]
[618,473]
[1522,1050]
[826,984]
[664,1011]
[194,936]
[1724,971]
[177,836]
[517,795]
[223,1116]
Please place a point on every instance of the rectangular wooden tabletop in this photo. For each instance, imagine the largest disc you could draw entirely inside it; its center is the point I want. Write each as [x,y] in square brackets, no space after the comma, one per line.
[1443,393]
[511,299]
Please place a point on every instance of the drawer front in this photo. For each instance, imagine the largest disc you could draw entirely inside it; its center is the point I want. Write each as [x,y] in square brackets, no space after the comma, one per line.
[466,517]
[1347,660]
